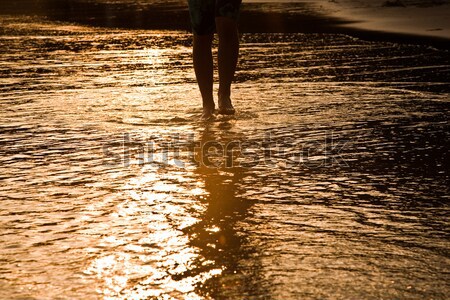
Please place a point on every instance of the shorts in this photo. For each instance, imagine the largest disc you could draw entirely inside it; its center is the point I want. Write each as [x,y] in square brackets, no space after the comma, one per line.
[204,12]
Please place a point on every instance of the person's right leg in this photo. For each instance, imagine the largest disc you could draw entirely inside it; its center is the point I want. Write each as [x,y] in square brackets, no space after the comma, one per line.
[202,18]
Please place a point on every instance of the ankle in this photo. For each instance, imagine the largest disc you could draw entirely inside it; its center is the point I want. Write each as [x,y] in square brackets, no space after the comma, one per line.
[223,94]
[208,106]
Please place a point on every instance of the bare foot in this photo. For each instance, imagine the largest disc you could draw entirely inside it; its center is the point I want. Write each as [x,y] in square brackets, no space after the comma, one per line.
[208,113]
[225,106]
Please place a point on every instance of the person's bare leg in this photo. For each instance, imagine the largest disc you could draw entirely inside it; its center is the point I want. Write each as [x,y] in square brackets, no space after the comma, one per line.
[203,66]
[228,57]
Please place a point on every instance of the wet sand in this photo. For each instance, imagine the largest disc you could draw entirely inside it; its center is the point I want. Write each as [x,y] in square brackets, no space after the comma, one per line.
[331,182]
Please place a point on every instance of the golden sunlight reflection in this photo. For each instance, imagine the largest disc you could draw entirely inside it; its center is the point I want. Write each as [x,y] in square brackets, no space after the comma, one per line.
[160,261]
[152,56]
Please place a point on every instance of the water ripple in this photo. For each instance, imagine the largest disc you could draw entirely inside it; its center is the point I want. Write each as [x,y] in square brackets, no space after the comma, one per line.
[330,182]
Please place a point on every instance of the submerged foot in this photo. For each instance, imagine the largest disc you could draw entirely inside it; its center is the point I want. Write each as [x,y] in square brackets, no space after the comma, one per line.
[225,106]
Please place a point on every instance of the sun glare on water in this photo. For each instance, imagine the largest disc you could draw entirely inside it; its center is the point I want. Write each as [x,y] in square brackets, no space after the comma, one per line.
[161,261]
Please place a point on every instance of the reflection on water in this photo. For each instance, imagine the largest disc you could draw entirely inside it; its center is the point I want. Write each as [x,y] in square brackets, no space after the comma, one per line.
[331,181]
[220,234]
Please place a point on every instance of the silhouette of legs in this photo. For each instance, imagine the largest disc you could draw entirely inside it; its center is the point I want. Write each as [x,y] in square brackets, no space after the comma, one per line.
[227,59]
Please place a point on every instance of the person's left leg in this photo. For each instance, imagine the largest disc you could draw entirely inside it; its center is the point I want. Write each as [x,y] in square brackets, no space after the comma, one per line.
[228,57]
[227,13]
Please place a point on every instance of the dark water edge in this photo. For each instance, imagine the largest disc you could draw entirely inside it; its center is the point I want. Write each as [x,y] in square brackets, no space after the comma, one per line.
[173,15]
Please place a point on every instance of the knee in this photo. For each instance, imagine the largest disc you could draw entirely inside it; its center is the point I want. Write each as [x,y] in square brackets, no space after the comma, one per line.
[203,40]
[226,28]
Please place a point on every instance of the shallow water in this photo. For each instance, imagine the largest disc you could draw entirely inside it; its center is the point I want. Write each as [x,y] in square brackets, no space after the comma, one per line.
[330,182]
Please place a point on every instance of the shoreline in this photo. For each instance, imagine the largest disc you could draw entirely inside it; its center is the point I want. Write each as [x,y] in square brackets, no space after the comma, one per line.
[310,21]
[408,21]
[414,17]
[303,17]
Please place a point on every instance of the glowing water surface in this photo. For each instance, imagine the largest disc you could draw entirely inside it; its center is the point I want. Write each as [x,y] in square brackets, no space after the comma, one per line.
[330,183]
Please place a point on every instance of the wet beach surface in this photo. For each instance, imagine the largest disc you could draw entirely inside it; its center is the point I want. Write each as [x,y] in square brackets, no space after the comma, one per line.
[331,182]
